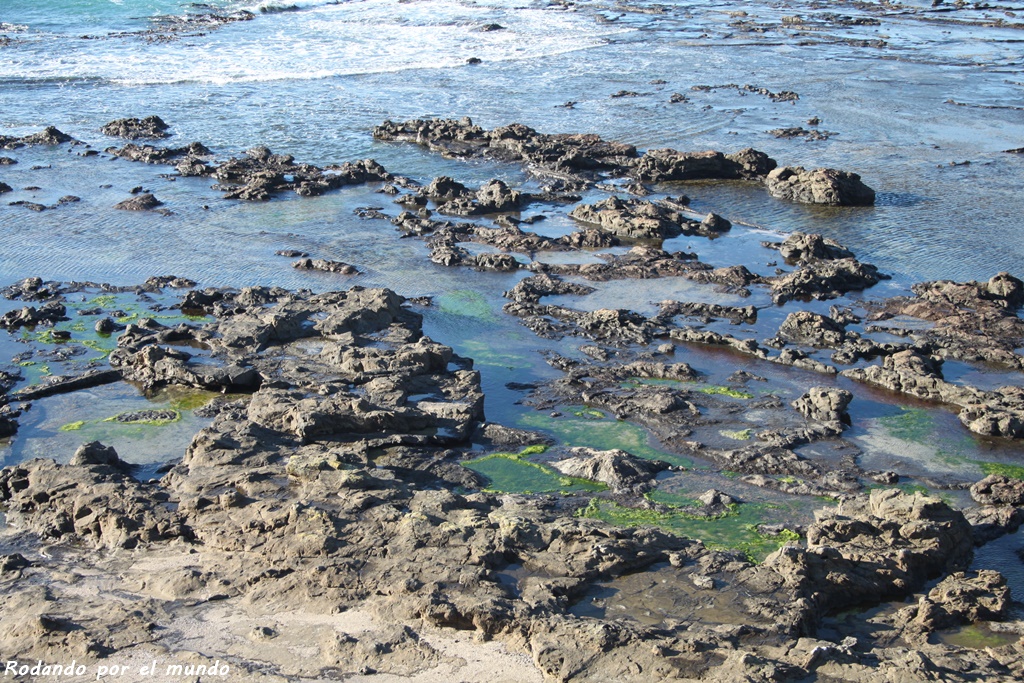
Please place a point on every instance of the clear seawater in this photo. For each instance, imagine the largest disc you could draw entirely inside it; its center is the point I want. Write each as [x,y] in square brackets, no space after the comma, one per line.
[311,78]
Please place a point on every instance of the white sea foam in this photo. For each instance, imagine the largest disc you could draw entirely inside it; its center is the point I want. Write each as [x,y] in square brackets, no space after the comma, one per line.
[328,39]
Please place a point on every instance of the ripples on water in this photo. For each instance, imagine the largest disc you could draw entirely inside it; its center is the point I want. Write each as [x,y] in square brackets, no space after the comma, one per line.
[313,81]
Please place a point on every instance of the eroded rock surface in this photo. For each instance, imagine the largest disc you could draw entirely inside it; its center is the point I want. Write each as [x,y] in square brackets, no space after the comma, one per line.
[148,128]
[576,160]
[819,186]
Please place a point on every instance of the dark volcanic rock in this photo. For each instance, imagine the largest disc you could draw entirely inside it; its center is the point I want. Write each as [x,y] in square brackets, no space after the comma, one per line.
[444,188]
[190,154]
[140,202]
[800,132]
[972,321]
[30,316]
[659,165]
[261,174]
[149,128]
[572,154]
[454,199]
[325,266]
[63,384]
[533,288]
[819,186]
[48,136]
[580,160]
[825,279]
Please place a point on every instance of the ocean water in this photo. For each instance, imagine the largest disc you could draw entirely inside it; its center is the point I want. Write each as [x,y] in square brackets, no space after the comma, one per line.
[907,90]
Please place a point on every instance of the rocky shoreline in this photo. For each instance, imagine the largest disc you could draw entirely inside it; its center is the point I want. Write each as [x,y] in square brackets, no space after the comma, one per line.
[342,499]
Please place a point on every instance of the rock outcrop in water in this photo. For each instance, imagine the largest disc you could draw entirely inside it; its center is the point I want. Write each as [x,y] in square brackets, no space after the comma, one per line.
[148,128]
[260,174]
[576,160]
[140,202]
[819,186]
[48,136]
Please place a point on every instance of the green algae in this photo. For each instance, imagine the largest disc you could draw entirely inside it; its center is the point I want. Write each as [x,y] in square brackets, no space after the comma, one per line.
[737,435]
[602,435]
[97,345]
[588,413]
[513,473]
[42,336]
[911,424]
[103,344]
[1011,471]
[673,500]
[710,389]
[72,426]
[977,637]
[735,529]
[101,301]
[715,390]
[483,353]
[652,382]
[468,303]
[187,399]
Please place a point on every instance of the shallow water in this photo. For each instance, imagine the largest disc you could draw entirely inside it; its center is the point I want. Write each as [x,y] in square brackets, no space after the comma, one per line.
[313,81]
